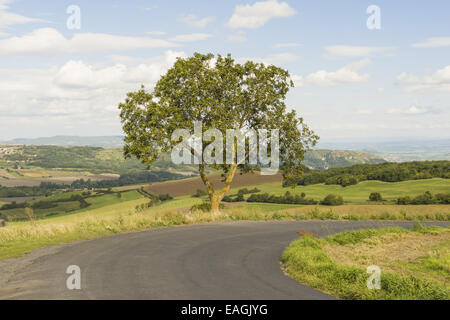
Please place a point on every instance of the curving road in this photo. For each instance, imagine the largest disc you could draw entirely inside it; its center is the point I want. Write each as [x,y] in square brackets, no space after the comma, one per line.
[213,261]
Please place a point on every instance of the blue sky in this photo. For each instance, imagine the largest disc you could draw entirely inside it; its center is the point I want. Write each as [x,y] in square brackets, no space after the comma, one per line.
[351,82]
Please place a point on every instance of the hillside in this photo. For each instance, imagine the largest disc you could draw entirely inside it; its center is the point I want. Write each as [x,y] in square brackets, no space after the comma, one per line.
[98,141]
[326,159]
[110,160]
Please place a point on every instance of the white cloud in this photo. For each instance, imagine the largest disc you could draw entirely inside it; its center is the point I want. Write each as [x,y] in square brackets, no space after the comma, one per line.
[50,41]
[192,21]
[156,33]
[299,81]
[356,51]
[275,59]
[347,74]
[434,42]
[191,37]
[438,81]
[256,15]
[364,112]
[8,18]
[75,91]
[286,45]
[413,110]
[237,37]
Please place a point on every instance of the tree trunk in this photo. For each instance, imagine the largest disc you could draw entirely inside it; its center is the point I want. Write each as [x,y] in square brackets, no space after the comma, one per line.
[215,204]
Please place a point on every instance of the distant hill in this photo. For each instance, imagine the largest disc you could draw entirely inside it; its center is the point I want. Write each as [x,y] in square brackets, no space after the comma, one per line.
[398,149]
[325,159]
[99,141]
[110,160]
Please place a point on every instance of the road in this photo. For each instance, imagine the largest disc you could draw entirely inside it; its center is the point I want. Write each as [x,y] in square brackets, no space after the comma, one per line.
[238,260]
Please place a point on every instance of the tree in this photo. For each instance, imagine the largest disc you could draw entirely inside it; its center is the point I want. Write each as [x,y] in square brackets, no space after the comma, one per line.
[375,196]
[221,94]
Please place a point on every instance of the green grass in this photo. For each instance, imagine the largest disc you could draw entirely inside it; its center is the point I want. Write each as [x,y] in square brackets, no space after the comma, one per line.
[359,194]
[306,261]
[20,237]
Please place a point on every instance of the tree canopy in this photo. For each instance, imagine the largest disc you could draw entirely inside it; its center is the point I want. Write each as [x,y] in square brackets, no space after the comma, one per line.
[220,94]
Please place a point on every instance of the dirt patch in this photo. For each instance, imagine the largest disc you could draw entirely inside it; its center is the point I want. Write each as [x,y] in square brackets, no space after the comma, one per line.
[391,252]
[189,186]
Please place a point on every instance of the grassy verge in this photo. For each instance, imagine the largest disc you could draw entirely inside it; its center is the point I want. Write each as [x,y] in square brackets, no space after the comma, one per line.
[414,264]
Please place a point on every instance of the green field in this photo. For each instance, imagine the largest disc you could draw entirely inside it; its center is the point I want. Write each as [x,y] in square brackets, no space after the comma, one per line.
[109,213]
[359,194]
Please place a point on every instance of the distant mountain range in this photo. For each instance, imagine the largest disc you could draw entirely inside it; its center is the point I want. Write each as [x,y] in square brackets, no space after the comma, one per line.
[61,152]
[395,150]
[98,141]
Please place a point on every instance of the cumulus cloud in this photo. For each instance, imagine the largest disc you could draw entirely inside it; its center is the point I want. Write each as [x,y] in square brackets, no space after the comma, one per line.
[347,74]
[51,41]
[438,81]
[191,37]
[8,18]
[435,42]
[356,51]
[76,90]
[256,15]
[193,21]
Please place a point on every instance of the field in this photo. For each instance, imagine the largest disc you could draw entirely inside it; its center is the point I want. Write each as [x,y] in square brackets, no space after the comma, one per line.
[190,185]
[109,213]
[413,264]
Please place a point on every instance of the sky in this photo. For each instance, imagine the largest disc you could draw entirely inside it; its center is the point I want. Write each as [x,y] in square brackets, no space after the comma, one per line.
[358,73]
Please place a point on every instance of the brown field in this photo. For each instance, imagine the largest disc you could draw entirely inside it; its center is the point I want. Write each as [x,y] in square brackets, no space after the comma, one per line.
[190,186]
[36,181]
[18,199]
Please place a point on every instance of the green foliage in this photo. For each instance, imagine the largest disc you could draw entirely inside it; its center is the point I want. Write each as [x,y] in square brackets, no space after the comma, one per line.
[222,95]
[204,207]
[426,198]
[200,193]
[288,198]
[165,197]
[332,200]
[388,172]
[344,180]
[375,196]
[240,195]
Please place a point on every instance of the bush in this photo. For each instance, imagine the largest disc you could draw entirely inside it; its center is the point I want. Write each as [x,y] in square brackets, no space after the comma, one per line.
[288,198]
[375,196]
[426,198]
[165,197]
[200,193]
[204,207]
[332,200]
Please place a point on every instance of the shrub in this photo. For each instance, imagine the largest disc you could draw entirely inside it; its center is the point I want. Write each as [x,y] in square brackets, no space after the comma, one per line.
[165,197]
[332,200]
[199,193]
[204,207]
[375,196]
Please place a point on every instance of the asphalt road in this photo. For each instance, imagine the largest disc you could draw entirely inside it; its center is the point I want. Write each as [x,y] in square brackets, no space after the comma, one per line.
[213,261]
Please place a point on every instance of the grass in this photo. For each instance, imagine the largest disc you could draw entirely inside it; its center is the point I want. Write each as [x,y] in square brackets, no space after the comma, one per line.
[120,215]
[337,264]
[359,194]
